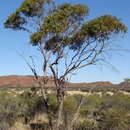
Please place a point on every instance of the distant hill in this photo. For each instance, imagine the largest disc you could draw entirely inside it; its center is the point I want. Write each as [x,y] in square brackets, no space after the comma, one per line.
[29,81]
[94,84]
[20,81]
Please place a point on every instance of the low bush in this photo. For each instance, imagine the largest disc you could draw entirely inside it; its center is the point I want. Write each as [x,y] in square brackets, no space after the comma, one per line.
[96,112]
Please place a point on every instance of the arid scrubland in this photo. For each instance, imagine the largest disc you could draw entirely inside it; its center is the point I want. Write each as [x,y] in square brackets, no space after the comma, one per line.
[24,110]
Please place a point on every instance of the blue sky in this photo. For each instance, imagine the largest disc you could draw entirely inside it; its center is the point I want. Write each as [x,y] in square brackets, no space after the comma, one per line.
[11,63]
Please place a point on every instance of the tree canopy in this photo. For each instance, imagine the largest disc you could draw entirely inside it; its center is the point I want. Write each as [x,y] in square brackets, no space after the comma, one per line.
[63,25]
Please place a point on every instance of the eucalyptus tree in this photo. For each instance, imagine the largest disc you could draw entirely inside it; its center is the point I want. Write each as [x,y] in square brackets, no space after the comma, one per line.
[67,40]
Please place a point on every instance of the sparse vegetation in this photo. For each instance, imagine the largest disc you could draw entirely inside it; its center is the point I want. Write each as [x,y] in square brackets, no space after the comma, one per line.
[104,112]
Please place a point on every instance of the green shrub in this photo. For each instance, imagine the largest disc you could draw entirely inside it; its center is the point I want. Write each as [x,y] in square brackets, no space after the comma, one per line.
[87,124]
[115,119]
[96,113]
[9,109]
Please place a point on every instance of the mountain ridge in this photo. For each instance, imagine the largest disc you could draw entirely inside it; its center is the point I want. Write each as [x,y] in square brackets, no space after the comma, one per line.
[29,80]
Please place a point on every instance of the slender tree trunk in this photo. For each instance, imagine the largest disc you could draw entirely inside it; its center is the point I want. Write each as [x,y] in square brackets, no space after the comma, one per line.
[76,115]
[60,98]
[49,118]
[46,103]
[59,119]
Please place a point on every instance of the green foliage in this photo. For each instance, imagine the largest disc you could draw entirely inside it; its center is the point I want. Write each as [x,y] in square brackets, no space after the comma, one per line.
[70,105]
[127,79]
[15,21]
[30,104]
[113,119]
[65,24]
[31,8]
[58,22]
[99,29]
[88,124]
[63,17]
[96,113]
[102,27]
[108,112]
[13,107]
[28,9]
[8,110]
[53,104]
[118,100]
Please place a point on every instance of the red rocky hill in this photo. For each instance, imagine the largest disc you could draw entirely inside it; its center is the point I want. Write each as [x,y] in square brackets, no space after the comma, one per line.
[29,81]
[20,81]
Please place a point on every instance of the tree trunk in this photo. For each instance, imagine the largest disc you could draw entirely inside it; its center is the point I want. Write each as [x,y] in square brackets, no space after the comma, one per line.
[49,118]
[60,98]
